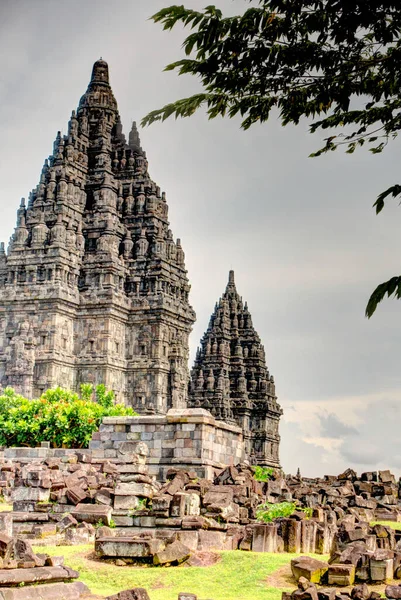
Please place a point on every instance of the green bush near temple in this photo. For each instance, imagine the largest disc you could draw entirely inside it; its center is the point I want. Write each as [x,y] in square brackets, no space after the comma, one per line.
[61,417]
[267,512]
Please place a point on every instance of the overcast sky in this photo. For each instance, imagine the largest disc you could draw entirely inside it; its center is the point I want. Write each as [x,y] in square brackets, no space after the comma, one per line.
[300,233]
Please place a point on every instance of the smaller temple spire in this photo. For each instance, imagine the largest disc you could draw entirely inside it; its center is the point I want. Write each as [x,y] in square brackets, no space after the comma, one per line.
[232,361]
[134,141]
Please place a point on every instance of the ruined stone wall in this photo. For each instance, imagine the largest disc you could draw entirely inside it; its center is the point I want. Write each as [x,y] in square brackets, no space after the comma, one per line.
[189,438]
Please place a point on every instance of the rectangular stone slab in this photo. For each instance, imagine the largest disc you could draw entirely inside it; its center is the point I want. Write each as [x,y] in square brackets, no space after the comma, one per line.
[143,490]
[51,591]
[92,513]
[134,548]
[21,517]
[10,577]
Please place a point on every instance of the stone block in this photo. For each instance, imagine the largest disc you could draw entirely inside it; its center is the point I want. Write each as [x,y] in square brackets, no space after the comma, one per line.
[168,522]
[6,523]
[310,568]
[290,531]
[341,575]
[176,552]
[126,502]
[14,577]
[30,494]
[393,591]
[214,540]
[309,593]
[120,547]
[47,591]
[123,521]
[381,570]
[142,490]
[76,495]
[308,536]
[189,539]
[264,538]
[161,504]
[92,513]
[185,504]
[66,522]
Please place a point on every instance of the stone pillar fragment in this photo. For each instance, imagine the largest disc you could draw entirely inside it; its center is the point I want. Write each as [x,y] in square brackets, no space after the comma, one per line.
[291,534]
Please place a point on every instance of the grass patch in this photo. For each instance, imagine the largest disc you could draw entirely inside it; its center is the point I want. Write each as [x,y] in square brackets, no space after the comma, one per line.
[392,524]
[238,576]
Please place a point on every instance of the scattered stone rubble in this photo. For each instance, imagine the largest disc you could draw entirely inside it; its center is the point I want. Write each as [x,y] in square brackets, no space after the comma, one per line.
[309,591]
[76,498]
[141,594]
[359,552]
[25,575]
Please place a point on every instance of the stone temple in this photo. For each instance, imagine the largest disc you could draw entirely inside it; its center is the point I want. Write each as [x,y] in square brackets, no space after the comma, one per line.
[230,378]
[93,288]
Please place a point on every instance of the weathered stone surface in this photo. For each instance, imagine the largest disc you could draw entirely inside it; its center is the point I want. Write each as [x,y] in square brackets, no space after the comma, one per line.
[142,490]
[393,591]
[360,592]
[381,569]
[264,537]
[92,513]
[126,502]
[341,575]
[35,575]
[125,547]
[66,522]
[47,591]
[135,594]
[6,524]
[176,552]
[310,568]
[76,495]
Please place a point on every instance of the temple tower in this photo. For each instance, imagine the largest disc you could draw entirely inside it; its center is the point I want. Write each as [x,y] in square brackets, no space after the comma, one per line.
[93,287]
[231,380]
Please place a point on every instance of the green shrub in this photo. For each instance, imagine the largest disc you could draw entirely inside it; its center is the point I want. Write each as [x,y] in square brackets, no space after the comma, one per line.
[59,416]
[268,512]
[262,473]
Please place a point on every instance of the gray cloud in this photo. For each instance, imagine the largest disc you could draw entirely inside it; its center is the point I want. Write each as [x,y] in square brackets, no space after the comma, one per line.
[331,426]
[300,233]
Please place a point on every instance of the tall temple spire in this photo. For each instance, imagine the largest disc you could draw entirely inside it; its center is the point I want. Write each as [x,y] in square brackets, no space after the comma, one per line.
[93,269]
[231,380]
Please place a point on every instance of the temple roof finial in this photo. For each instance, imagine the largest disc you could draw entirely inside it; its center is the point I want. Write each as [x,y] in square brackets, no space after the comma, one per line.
[231,290]
[100,72]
